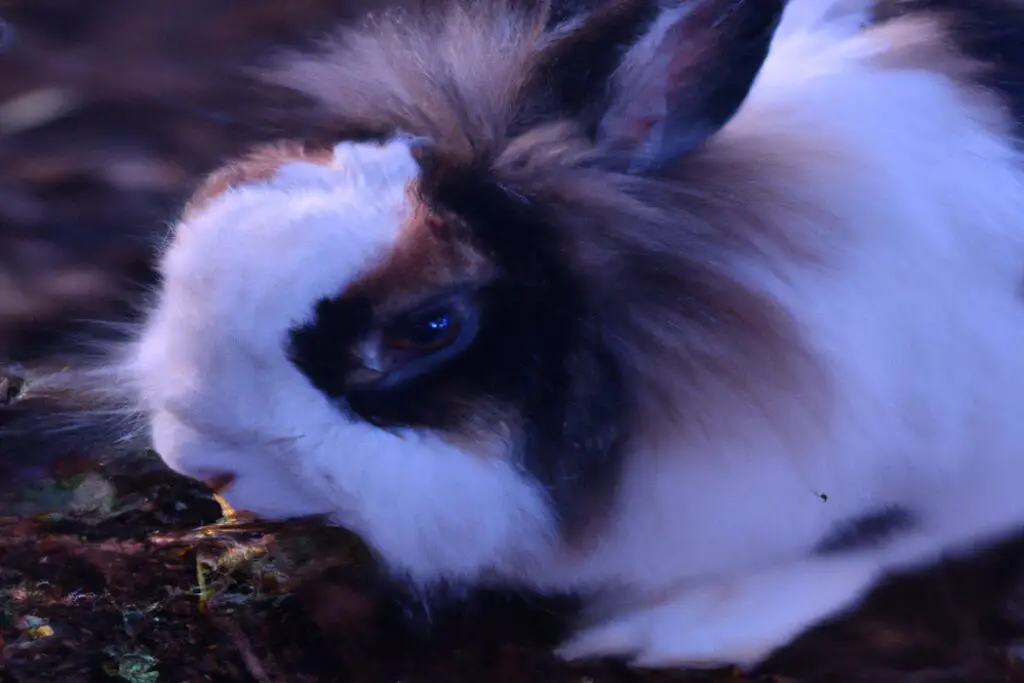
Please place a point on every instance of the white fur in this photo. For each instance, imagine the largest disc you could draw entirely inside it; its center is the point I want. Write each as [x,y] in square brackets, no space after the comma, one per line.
[917,316]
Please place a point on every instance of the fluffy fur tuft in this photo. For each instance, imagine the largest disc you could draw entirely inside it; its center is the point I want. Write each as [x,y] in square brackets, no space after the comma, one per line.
[707,310]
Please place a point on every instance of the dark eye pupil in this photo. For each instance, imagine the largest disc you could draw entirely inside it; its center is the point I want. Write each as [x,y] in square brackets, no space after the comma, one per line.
[429,331]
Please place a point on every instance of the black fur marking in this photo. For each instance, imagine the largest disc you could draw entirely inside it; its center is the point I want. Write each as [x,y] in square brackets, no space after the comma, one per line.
[538,356]
[321,348]
[866,531]
[545,353]
[990,31]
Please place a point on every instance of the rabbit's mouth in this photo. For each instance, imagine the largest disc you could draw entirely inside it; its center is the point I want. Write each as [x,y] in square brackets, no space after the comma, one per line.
[220,482]
[249,519]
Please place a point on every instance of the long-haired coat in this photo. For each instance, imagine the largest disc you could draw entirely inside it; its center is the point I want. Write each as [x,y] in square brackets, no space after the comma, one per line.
[711,311]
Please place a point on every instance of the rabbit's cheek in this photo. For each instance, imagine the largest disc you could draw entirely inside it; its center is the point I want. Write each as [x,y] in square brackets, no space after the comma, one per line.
[428,507]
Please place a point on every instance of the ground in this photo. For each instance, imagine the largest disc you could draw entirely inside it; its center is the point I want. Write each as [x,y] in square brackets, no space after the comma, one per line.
[110,112]
[127,572]
[130,573]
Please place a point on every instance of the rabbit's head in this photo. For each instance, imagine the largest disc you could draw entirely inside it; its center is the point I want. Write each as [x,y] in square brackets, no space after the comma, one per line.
[448,333]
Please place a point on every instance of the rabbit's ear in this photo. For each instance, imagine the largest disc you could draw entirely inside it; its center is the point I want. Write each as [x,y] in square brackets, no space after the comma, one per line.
[582,53]
[687,77]
[657,87]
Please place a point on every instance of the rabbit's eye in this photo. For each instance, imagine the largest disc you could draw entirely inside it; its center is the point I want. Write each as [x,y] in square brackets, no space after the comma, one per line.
[417,342]
[425,333]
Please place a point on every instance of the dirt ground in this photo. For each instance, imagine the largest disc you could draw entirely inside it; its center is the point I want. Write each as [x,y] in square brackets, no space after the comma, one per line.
[110,110]
[128,573]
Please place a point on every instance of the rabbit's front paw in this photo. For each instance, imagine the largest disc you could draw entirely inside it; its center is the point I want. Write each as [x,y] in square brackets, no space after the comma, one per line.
[737,621]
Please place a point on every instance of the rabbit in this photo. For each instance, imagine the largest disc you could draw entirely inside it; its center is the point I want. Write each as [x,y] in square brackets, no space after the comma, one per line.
[708,311]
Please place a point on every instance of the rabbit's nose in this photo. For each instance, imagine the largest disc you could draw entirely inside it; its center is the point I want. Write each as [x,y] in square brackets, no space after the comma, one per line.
[220,481]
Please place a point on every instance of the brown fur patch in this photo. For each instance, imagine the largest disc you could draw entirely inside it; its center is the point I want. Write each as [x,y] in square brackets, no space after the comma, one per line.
[432,252]
[919,43]
[259,164]
[924,43]
[490,432]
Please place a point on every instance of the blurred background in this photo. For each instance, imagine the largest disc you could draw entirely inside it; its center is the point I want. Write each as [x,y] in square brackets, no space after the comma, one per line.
[110,113]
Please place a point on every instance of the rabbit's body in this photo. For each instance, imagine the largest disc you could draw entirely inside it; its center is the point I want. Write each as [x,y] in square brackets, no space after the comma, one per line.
[718,369]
